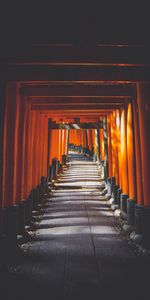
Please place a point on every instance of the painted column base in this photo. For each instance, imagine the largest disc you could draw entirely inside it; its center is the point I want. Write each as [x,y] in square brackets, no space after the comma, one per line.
[123,202]
[28,211]
[10,222]
[55,167]
[21,219]
[113,183]
[50,173]
[138,218]
[64,159]
[119,192]
[1,222]
[35,193]
[115,194]
[146,227]
[131,211]
[60,168]
[44,184]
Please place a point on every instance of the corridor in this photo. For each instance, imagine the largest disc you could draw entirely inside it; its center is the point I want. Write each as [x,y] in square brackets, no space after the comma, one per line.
[75,250]
[75,152]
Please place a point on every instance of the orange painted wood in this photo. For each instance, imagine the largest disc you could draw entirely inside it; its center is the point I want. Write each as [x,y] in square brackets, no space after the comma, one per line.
[2,121]
[54,140]
[118,135]
[143,100]
[18,177]
[123,141]
[109,147]
[25,153]
[139,185]
[10,143]
[114,146]
[131,154]
[102,144]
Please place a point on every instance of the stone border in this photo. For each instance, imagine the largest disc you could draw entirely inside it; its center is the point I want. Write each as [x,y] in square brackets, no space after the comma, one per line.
[128,232]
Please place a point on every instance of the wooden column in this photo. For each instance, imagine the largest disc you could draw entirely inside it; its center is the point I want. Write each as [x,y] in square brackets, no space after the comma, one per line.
[26,152]
[118,136]
[143,100]
[10,143]
[54,149]
[2,154]
[97,143]
[67,141]
[131,154]
[109,147]
[139,185]
[18,172]
[124,163]
[105,147]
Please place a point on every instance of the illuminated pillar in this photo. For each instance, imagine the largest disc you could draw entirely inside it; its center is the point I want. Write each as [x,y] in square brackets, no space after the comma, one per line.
[2,154]
[48,150]
[118,130]
[139,185]
[54,149]
[60,145]
[114,146]
[131,167]
[143,101]
[10,143]
[90,139]
[44,150]
[105,148]
[131,154]
[143,96]
[124,162]
[26,163]
[109,147]
[18,177]
[67,141]
[102,151]
[123,142]
[97,145]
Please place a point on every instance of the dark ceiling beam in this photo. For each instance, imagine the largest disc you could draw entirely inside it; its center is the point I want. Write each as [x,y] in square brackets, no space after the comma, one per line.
[75,73]
[79,100]
[110,54]
[76,108]
[79,90]
[96,114]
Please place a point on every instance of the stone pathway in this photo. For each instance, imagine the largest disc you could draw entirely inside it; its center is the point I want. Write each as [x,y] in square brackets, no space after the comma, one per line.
[76,252]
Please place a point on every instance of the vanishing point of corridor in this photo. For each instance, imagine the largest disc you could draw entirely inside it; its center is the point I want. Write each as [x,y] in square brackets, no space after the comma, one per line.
[75,250]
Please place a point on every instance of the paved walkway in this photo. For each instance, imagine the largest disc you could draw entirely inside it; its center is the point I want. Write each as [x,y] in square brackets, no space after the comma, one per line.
[76,252]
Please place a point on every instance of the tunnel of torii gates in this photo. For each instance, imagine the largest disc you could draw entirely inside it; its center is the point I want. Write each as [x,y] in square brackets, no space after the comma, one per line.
[41,116]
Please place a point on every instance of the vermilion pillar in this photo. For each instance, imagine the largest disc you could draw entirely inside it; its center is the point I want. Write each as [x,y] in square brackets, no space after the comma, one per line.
[97,143]
[124,163]
[90,142]
[139,185]
[54,149]
[60,145]
[20,149]
[10,143]
[143,100]
[26,161]
[102,144]
[131,154]
[2,117]
[109,147]
[118,129]
[117,144]
[67,141]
